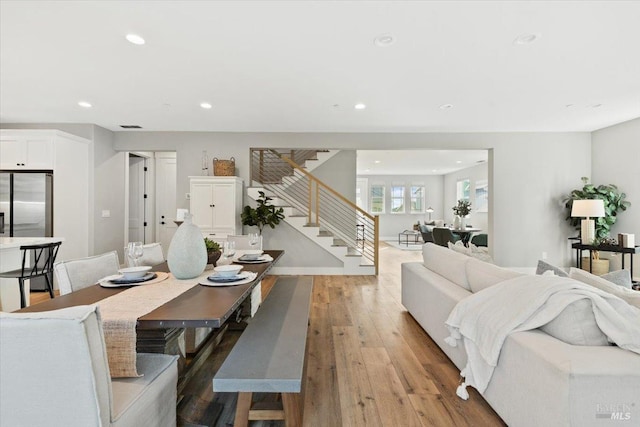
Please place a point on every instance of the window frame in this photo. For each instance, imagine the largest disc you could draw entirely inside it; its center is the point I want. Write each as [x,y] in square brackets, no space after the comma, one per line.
[423,198]
[394,198]
[373,198]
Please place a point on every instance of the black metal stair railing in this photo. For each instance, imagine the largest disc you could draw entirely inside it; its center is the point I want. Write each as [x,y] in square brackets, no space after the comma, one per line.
[323,206]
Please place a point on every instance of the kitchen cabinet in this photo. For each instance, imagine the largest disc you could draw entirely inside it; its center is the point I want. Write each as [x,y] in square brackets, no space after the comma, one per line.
[68,156]
[26,152]
[216,204]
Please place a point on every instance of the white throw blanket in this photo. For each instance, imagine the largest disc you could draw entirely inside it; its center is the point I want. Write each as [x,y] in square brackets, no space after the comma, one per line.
[485,319]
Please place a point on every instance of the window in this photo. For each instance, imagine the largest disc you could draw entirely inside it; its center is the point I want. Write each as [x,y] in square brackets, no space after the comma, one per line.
[377,199]
[397,198]
[417,199]
[463,188]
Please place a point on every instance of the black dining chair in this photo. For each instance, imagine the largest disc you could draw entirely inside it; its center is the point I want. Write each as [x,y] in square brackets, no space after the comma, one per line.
[41,258]
[442,236]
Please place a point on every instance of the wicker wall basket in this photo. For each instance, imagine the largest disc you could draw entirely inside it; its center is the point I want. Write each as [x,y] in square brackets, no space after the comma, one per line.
[224,167]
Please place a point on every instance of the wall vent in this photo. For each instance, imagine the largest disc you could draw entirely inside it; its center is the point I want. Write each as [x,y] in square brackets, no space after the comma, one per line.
[130,127]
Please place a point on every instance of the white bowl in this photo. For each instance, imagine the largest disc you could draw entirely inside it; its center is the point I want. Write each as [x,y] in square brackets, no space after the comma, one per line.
[228,270]
[252,254]
[134,272]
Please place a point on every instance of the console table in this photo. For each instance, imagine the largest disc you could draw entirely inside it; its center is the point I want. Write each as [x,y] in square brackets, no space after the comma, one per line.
[579,247]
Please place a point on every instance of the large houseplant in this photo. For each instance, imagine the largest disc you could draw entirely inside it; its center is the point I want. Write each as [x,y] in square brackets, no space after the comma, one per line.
[614,202]
[263,214]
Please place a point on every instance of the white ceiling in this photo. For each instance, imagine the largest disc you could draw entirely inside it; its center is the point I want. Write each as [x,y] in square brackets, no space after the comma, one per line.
[416,162]
[302,66]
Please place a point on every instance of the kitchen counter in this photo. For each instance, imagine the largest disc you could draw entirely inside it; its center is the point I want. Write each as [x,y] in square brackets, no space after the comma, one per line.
[16,242]
[11,259]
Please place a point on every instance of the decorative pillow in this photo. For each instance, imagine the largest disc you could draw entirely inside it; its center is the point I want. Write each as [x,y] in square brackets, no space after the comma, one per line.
[459,247]
[619,277]
[629,295]
[545,266]
[576,325]
[481,253]
[481,275]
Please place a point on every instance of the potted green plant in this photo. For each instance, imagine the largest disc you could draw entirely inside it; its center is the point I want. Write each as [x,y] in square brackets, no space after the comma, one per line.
[213,251]
[263,214]
[463,208]
[614,202]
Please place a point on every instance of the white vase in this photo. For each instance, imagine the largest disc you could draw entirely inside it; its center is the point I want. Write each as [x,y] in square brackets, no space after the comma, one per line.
[463,221]
[456,222]
[187,256]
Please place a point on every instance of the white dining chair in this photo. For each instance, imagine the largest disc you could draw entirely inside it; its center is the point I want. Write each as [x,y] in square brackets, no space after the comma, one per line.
[151,255]
[59,360]
[83,272]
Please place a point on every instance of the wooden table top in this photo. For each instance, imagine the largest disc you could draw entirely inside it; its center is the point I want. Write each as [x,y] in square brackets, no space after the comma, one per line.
[200,306]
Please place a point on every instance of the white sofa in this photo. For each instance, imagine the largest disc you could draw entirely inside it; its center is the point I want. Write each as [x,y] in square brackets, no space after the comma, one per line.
[54,372]
[539,380]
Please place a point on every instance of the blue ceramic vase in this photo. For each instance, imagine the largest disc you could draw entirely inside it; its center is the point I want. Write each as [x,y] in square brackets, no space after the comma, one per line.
[187,256]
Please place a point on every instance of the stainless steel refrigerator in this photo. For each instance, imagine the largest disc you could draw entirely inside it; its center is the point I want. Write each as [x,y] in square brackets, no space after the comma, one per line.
[26,208]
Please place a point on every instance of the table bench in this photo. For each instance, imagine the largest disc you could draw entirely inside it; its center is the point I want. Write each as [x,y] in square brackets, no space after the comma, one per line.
[269,356]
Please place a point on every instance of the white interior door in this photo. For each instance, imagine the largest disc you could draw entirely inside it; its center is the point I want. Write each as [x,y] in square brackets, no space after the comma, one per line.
[165,178]
[136,198]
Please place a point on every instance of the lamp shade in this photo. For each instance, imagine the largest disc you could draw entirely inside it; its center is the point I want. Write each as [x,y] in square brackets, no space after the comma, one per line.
[592,208]
[429,209]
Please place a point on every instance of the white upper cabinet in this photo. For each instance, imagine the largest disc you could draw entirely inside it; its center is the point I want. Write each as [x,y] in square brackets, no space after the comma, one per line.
[28,153]
[216,204]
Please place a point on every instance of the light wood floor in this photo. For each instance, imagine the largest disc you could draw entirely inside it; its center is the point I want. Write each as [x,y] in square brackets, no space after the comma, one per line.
[369,364]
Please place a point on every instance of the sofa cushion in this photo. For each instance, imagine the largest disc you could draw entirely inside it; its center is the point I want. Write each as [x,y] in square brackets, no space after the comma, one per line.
[481,275]
[447,263]
[576,325]
[544,266]
[619,277]
[629,295]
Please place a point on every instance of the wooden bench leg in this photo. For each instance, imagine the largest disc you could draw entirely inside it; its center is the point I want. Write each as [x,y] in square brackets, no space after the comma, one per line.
[292,406]
[242,409]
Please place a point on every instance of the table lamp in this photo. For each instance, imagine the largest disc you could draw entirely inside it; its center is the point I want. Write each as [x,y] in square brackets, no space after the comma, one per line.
[429,211]
[593,208]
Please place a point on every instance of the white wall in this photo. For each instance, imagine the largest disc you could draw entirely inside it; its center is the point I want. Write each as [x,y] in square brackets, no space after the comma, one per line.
[109,190]
[616,160]
[393,223]
[530,174]
[474,174]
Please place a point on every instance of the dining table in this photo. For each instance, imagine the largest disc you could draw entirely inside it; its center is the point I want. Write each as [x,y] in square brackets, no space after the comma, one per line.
[162,330]
[465,233]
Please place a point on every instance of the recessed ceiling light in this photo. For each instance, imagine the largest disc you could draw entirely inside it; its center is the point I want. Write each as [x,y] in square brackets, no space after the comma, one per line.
[360,106]
[458,161]
[526,38]
[446,106]
[85,104]
[376,161]
[206,105]
[384,40]
[434,170]
[135,39]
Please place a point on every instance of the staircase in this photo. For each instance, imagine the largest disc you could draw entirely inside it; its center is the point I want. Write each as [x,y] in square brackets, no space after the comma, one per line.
[314,209]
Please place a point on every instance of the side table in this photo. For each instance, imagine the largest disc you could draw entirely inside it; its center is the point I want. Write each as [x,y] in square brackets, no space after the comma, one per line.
[408,233]
[579,247]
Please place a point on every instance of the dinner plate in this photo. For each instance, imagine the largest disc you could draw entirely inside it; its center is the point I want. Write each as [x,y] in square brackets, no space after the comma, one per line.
[119,280]
[263,258]
[248,278]
[226,279]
